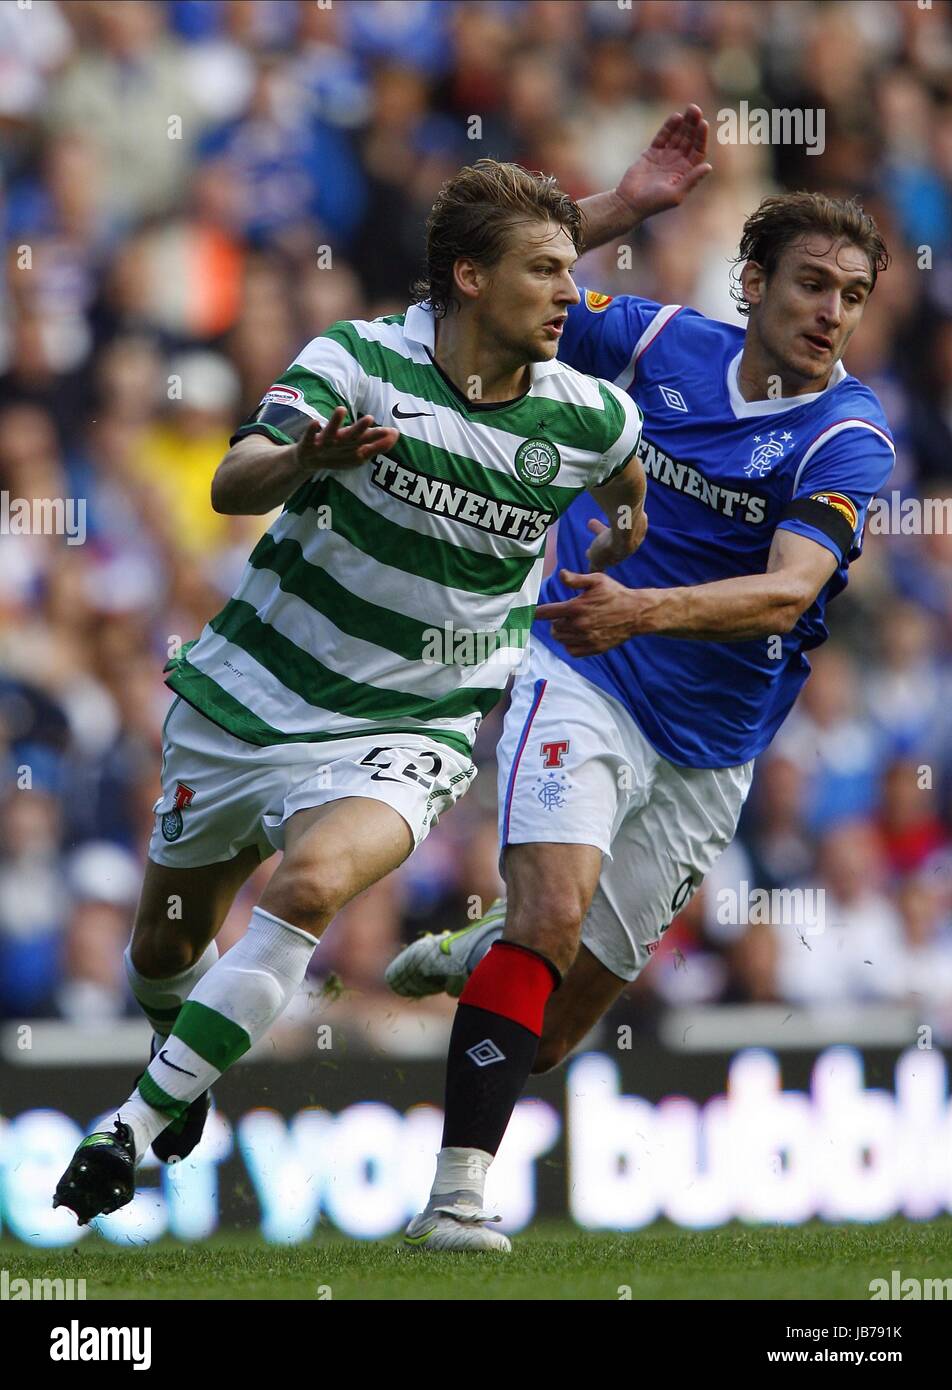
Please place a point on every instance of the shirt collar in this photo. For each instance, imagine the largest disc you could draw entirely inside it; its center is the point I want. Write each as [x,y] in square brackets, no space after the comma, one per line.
[419,326]
[746,410]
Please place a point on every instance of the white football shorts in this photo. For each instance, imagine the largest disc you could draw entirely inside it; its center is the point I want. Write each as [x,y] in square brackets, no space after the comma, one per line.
[574,768]
[220,794]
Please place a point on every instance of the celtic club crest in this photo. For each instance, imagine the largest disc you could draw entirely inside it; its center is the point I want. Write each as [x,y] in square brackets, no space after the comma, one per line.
[537,462]
[172,822]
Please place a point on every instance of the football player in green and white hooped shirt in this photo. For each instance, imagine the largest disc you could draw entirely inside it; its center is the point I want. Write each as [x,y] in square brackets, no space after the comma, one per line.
[330,708]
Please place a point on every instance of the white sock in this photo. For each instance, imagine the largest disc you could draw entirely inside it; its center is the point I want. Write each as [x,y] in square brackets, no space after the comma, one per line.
[461,1170]
[496,915]
[160,1000]
[232,1006]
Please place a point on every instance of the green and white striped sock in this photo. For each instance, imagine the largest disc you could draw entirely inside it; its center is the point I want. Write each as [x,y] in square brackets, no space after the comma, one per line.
[161,1000]
[232,1006]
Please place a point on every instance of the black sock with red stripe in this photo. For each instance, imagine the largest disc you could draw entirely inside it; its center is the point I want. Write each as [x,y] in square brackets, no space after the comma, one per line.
[494,1043]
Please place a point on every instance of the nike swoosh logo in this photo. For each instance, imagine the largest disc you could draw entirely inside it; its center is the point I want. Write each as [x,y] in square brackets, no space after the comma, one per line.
[409,414]
[163,1058]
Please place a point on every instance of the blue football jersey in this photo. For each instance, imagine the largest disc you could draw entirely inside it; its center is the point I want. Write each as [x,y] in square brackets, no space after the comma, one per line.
[723,474]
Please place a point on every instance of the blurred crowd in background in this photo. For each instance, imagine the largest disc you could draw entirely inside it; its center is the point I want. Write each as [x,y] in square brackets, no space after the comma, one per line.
[191,190]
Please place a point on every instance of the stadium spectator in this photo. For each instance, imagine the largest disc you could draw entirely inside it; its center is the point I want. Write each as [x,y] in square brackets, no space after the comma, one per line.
[851,953]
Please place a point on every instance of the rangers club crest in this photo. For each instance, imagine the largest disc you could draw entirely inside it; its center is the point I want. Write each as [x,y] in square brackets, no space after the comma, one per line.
[553,786]
[551,791]
[767,452]
[172,822]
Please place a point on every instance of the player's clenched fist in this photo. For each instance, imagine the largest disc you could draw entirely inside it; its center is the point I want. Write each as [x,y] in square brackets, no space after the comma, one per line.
[336,445]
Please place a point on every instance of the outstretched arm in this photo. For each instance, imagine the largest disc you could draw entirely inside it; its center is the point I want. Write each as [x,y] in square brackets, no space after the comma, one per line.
[257,475]
[743,609]
[661,177]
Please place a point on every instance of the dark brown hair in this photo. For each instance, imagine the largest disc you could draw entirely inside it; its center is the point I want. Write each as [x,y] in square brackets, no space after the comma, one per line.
[782,220]
[474,213]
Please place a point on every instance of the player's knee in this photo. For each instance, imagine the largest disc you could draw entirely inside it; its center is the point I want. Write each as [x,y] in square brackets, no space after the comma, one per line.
[159,954]
[546,912]
[306,895]
[549,924]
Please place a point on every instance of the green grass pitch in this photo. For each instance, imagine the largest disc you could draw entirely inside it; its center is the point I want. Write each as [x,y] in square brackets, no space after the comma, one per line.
[547,1263]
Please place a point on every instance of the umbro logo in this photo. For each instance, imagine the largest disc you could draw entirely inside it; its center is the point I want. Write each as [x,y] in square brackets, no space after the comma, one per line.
[673,399]
[485,1053]
[409,414]
[163,1058]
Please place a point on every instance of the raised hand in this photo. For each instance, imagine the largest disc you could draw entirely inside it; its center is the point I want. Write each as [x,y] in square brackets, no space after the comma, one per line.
[336,445]
[673,164]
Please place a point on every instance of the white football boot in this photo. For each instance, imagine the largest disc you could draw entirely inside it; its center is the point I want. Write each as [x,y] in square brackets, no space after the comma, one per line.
[453,1221]
[441,964]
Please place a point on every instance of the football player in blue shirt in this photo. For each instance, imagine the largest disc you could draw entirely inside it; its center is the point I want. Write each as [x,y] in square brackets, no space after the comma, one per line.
[652,684]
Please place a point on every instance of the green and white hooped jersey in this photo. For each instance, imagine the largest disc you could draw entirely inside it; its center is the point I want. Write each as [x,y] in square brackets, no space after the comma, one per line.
[397,597]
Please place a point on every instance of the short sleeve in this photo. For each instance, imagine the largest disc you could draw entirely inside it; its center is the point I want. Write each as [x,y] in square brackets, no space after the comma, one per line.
[624,431]
[841,473]
[603,330]
[324,376]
